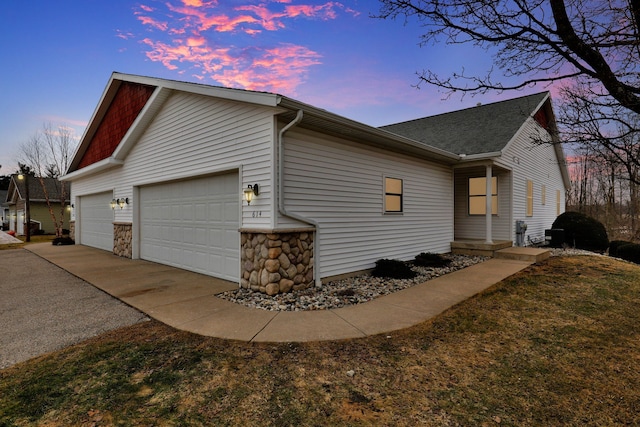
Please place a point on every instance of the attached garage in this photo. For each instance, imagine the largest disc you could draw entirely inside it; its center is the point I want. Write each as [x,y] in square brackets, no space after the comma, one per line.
[96,221]
[193,225]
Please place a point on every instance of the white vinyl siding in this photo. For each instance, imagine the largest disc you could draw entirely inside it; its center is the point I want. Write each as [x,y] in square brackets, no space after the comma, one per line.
[194,135]
[474,226]
[338,184]
[537,163]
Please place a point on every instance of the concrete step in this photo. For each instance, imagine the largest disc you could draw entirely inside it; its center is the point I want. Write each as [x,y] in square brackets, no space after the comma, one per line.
[478,247]
[523,254]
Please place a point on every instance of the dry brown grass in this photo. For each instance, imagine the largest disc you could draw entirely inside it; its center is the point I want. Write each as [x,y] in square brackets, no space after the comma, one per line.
[557,344]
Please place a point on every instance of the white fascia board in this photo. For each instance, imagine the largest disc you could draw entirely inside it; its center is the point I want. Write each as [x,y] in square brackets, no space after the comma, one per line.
[100,166]
[480,156]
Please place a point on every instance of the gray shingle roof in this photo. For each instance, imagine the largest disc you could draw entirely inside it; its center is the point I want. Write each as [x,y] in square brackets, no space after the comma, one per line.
[36,193]
[482,129]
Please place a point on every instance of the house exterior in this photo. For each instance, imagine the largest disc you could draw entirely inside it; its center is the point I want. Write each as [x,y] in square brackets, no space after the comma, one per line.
[163,167]
[509,142]
[41,220]
[4,211]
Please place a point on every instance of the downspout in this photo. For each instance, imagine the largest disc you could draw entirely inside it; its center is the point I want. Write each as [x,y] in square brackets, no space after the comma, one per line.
[281,208]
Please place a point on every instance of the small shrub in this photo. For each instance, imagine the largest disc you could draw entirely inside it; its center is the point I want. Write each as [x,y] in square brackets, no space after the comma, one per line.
[615,245]
[630,252]
[393,268]
[59,241]
[426,259]
[582,231]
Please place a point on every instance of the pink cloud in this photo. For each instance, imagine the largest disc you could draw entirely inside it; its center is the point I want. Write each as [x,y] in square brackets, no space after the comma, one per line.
[193,37]
[146,20]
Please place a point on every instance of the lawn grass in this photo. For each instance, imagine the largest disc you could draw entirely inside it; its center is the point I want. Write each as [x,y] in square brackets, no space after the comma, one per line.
[555,345]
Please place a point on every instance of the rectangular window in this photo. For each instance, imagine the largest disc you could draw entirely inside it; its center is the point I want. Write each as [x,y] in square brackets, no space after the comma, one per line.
[392,195]
[529,198]
[558,202]
[478,196]
[543,195]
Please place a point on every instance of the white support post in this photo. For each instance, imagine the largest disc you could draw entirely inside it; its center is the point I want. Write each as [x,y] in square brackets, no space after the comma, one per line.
[488,219]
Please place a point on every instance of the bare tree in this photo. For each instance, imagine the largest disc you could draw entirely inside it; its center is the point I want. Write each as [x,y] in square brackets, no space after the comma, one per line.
[48,154]
[539,41]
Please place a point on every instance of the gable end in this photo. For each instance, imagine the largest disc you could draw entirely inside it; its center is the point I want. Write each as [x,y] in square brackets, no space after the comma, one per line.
[125,107]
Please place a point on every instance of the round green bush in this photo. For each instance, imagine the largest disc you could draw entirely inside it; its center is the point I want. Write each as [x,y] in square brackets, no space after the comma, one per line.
[582,231]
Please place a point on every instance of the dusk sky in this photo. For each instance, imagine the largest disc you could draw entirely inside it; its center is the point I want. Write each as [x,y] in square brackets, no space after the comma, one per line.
[58,56]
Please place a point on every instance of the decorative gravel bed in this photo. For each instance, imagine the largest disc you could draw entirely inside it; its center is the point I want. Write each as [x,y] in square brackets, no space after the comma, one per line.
[344,292]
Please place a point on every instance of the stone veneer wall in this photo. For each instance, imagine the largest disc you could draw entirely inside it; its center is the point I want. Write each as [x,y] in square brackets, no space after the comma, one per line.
[122,239]
[72,230]
[276,262]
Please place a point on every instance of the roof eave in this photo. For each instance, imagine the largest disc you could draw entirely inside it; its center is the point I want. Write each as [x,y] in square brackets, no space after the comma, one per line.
[377,136]
[100,166]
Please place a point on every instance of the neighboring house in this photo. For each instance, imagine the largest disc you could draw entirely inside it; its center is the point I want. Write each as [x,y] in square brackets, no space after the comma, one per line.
[38,209]
[162,167]
[4,211]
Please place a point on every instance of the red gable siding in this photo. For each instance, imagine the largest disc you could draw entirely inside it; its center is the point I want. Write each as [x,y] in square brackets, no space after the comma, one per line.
[125,107]
[541,118]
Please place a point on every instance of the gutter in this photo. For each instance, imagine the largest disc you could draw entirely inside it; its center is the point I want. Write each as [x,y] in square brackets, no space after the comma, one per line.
[281,208]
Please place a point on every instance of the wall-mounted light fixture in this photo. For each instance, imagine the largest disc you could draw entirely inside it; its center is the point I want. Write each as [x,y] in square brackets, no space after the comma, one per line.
[122,202]
[250,191]
[113,203]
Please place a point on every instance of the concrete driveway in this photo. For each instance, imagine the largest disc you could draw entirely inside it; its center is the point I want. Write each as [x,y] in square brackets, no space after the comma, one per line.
[43,308]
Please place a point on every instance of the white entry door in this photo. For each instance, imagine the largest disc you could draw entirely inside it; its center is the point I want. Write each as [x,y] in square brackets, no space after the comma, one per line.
[193,225]
[96,221]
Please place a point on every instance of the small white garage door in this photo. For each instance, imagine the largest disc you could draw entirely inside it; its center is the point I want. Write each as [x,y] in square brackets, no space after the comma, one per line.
[96,221]
[193,225]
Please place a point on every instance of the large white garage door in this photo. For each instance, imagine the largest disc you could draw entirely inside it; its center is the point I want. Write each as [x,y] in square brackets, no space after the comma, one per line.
[96,221]
[193,225]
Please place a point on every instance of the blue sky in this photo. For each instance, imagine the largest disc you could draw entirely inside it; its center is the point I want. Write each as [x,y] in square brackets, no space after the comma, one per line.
[58,56]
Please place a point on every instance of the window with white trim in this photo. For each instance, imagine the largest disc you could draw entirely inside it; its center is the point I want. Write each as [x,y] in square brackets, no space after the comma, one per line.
[393,193]
[478,196]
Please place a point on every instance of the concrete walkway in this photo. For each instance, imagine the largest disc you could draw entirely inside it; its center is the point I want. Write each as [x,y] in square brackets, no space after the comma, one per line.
[188,301]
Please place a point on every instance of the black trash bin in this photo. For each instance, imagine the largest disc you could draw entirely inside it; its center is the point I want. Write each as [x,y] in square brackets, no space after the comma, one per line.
[554,237]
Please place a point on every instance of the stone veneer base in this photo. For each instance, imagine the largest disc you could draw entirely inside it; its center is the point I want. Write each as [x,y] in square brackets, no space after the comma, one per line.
[276,261]
[122,239]
[72,230]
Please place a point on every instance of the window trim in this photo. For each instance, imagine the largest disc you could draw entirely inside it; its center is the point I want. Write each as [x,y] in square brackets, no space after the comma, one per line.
[483,195]
[387,193]
[529,198]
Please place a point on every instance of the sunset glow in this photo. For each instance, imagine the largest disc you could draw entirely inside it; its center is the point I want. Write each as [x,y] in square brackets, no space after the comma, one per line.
[58,57]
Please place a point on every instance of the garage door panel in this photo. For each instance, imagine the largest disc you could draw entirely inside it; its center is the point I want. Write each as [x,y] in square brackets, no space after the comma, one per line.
[96,221]
[193,225]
